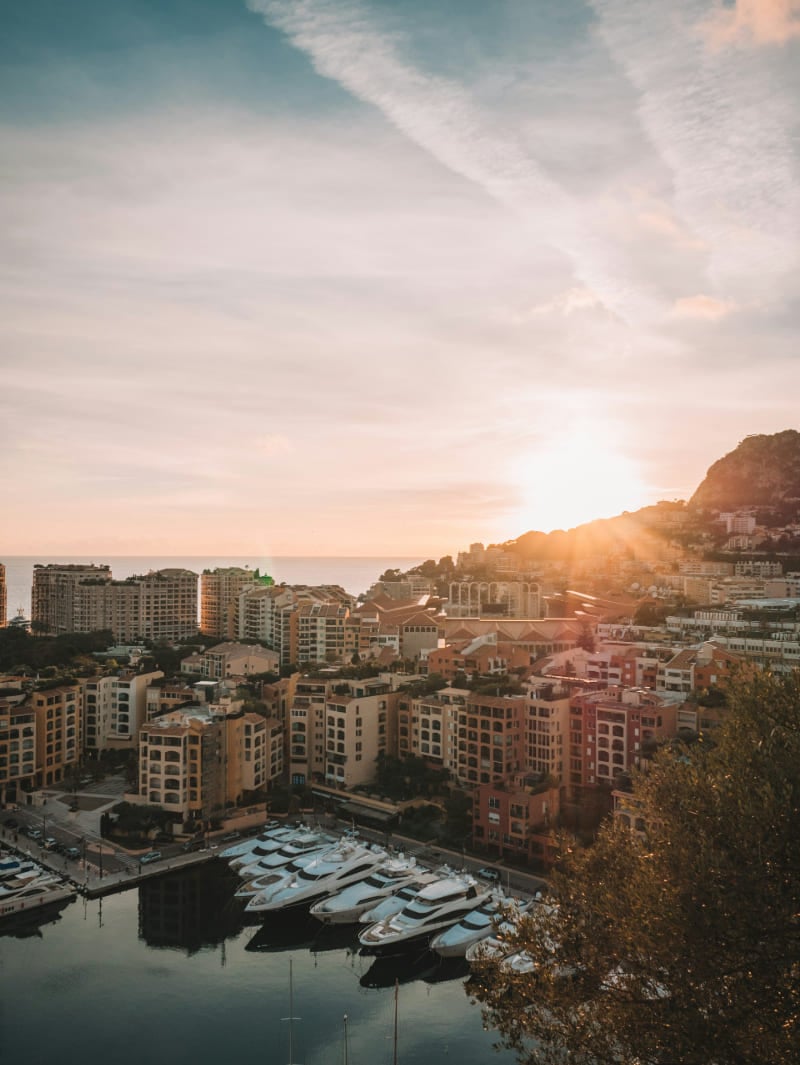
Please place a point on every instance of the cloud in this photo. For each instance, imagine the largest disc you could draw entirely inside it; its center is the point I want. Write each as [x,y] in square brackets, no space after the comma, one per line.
[573,301]
[722,122]
[273,445]
[753,22]
[441,116]
[701,306]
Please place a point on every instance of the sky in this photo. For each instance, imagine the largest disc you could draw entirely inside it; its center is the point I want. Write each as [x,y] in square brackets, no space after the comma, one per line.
[319,277]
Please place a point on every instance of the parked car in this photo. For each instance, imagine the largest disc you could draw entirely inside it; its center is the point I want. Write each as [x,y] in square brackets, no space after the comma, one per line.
[151,856]
[73,852]
[229,837]
[34,833]
[50,842]
[490,874]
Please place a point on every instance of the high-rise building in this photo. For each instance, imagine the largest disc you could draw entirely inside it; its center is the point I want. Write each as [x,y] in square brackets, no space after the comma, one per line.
[3,597]
[53,595]
[160,605]
[219,598]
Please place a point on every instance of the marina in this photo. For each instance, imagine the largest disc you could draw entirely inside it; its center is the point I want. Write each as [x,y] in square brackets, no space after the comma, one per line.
[175,966]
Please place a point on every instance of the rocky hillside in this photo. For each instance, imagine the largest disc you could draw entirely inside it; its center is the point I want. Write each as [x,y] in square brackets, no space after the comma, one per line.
[761,471]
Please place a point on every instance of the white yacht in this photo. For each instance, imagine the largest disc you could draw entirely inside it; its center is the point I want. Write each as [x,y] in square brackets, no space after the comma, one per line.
[437,906]
[498,911]
[28,874]
[346,906]
[37,894]
[245,846]
[305,841]
[347,862]
[395,903]
[256,885]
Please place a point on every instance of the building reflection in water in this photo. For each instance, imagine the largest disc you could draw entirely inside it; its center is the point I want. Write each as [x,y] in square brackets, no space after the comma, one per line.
[190,910]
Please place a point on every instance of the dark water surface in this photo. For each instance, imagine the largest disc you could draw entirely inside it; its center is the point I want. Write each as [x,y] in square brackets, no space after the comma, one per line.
[168,973]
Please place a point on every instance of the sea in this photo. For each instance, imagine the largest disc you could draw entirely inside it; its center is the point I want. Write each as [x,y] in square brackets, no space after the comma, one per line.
[355,574]
[169,973]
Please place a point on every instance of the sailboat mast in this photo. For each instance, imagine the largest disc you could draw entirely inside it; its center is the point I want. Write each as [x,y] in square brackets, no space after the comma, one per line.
[396,993]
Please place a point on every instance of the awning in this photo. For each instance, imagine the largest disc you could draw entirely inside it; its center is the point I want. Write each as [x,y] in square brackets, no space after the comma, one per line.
[357,809]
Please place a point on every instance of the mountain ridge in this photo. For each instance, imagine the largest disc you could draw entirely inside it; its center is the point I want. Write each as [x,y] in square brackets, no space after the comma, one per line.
[762,471]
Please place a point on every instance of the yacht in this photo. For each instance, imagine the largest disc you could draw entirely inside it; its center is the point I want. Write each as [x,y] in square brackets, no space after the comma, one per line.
[346,906]
[270,829]
[395,903]
[437,906]
[34,896]
[28,873]
[347,862]
[260,883]
[303,841]
[497,912]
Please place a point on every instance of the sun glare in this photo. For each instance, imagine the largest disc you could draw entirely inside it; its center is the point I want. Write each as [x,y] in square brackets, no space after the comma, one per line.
[576,480]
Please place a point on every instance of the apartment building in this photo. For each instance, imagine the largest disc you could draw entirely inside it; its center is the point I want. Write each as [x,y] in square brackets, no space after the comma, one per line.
[220,592]
[360,726]
[696,668]
[478,658]
[306,731]
[513,820]
[3,597]
[491,738]
[197,761]
[53,606]
[427,726]
[231,660]
[59,731]
[610,730]
[160,605]
[317,632]
[18,723]
[161,698]
[115,708]
[547,728]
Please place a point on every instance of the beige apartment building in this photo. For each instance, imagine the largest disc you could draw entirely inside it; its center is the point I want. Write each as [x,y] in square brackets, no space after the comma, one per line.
[360,725]
[53,596]
[231,660]
[115,708]
[427,727]
[17,750]
[198,761]
[220,590]
[306,731]
[547,728]
[160,605]
[59,731]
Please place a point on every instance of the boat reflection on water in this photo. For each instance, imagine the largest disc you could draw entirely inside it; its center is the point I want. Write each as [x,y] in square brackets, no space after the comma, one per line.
[29,924]
[189,910]
[292,931]
[403,969]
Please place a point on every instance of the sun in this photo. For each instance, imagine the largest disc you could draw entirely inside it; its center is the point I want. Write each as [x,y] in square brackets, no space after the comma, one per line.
[575,478]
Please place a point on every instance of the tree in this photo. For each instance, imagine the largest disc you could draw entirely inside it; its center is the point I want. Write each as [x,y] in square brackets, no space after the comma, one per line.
[678,943]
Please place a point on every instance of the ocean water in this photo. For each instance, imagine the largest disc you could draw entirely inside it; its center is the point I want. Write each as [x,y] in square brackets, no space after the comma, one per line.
[169,974]
[355,574]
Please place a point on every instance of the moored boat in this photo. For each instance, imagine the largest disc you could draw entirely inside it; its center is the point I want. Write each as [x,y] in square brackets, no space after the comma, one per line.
[498,910]
[349,861]
[437,906]
[346,906]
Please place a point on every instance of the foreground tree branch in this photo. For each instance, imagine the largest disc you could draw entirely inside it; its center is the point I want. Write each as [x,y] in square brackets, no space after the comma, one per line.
[680,948]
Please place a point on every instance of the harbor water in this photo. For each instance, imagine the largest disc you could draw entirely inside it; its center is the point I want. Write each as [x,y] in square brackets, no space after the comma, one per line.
[170,973]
